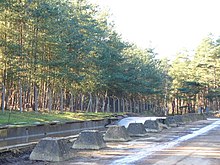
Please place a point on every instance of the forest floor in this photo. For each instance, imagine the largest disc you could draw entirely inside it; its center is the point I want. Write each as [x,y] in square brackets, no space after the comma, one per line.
[193,143]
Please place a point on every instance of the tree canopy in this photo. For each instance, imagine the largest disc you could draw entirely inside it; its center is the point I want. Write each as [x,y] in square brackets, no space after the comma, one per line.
[72,46]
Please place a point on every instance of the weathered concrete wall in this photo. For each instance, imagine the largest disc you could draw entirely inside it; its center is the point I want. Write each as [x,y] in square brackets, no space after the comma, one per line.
[15,135]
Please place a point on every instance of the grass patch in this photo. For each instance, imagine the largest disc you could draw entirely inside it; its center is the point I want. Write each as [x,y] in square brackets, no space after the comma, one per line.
[29,118]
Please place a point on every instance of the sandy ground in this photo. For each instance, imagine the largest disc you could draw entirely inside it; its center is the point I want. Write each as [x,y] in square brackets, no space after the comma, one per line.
[190,144]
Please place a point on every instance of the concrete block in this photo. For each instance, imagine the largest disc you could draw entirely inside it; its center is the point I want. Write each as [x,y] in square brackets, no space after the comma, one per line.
[170,121]
[89,139]
[136,129]
[51,149]
[186,118]
[201,116]
[117,133]
[179,119]
[161,123]
[152,124]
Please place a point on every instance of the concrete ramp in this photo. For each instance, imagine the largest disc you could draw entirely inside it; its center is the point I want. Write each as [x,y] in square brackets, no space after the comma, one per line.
[51,149]
[136,129]
[117,133]
[89,139]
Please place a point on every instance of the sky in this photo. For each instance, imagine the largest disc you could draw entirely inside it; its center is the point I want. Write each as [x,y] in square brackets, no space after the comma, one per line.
[169,26]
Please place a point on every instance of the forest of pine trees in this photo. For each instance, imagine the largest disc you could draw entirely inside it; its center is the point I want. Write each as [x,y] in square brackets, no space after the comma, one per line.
[66,55]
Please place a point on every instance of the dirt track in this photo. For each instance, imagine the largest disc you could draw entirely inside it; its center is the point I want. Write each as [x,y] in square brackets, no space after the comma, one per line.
[190,144]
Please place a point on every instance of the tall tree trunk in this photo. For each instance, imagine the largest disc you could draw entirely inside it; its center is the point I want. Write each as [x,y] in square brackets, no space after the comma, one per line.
[150,105]
[147,106]
[77,102]
[71,102]
[119,105]
[44,97]
[142,105]
[12,100]
[108,105]
[7,92]
[130,105]
[123,105]
[50,100]
[114,108]
[5,68]
[126,105]
[61,100]
[135,108]
[74,102]
[103,104]
[138,106]
[96,104]
[20,97]
[173,107]
[28,98]
[177,106]
[3,98]
[193,104]
[82,102]
[35,98]
[89,106]
[180,105]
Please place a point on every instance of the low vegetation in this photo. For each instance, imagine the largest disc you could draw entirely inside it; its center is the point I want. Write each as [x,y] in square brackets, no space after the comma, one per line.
[31,118]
